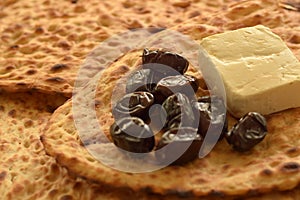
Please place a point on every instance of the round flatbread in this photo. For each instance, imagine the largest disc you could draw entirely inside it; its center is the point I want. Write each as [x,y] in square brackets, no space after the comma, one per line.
[273,164]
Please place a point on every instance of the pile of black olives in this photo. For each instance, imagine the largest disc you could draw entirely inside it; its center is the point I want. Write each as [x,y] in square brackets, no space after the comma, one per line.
[161,80]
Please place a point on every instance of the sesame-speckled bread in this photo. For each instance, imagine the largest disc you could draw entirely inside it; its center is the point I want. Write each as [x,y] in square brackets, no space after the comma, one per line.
[43,43]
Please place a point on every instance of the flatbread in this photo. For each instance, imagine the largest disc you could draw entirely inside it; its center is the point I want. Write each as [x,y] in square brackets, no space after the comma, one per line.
[272,165]
[222,172]
[30,71]
[27,172]
[269,13]
[43,44]
[24,165]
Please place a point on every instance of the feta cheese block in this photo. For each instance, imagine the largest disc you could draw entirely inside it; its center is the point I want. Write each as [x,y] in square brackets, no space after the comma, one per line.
[259,71]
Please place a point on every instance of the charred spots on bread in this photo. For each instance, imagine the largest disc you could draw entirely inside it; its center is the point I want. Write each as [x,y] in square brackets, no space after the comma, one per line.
[12,113]
[180,193]
[21,84]
[292,152]
[3,175]
[216,193]
[123,68]
[200,180]
[182,4]
[253,192]
[10,67]
[147,190]
[14,47]
[28,123]
[64,45]
[266,172]
[58,67]
[31,72]
[39,30]
[97,103]
[56,80]
[290,167]
[67,197]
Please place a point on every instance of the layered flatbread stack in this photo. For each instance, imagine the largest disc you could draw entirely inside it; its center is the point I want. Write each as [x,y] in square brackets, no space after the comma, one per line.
[44,44]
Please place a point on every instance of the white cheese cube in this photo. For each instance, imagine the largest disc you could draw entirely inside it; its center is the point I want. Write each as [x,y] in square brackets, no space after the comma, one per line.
[259,71]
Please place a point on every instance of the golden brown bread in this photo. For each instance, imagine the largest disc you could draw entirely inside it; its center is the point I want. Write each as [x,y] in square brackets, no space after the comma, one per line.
[44,43]
[269,13]
[26,172]
[24,166]
[272,165]
[47,56]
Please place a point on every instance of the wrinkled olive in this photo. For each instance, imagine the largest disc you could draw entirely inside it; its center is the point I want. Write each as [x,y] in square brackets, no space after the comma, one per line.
[247,132]
[169,85]
[210,111]
[133,135]
[178,111]
[142,80]
[178,146]
[173,60]
[134,104]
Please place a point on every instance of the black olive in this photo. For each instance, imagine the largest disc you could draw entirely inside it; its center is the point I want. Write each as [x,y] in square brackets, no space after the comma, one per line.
[178,111]
[247,132]
[133,135]
[142,80]
[169,85]
[210,111]
[176,62]
[134,104]
[178,146]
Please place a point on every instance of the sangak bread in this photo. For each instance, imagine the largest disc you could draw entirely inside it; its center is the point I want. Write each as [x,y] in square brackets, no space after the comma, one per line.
[26,172]
[43,43]
[274,164]
[273,14]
